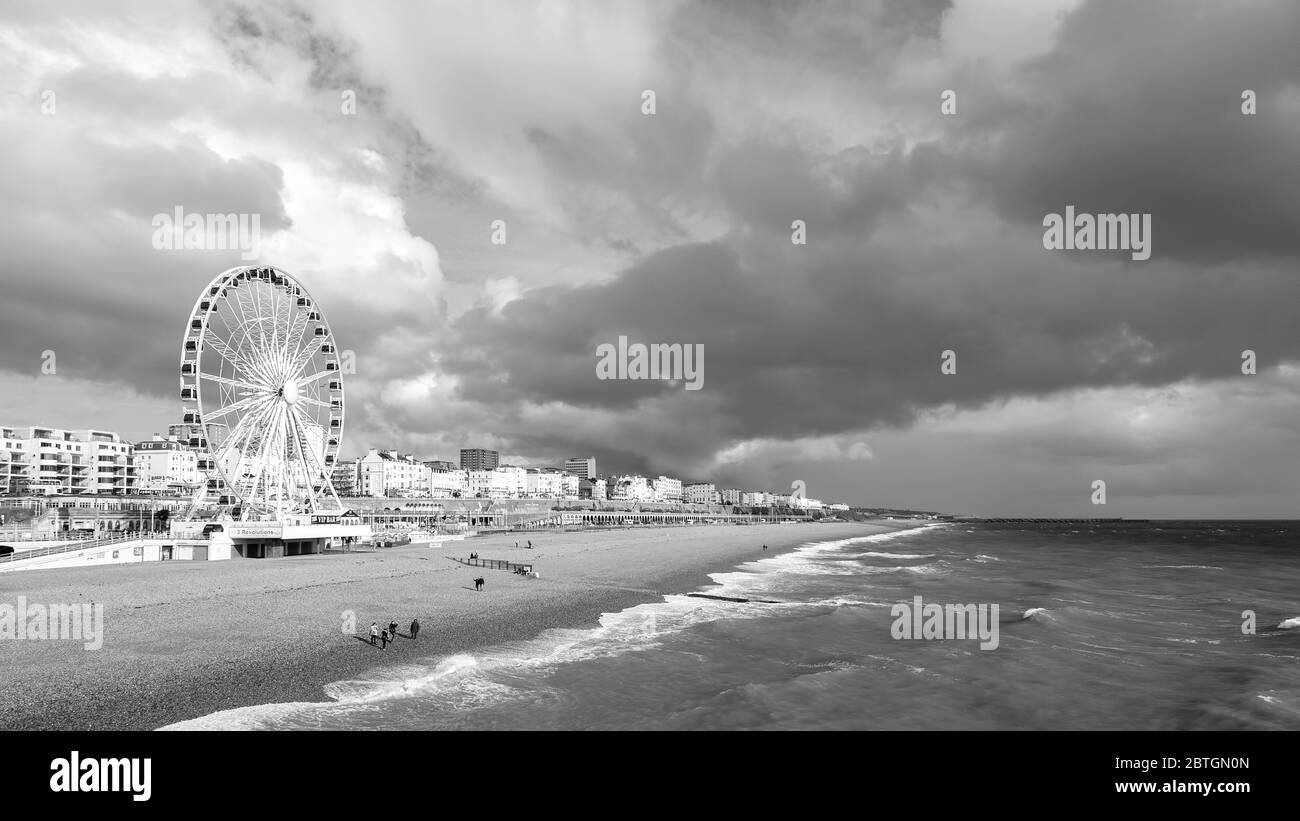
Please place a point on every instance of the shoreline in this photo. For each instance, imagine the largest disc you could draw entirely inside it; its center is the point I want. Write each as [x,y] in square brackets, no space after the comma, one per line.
[185,642]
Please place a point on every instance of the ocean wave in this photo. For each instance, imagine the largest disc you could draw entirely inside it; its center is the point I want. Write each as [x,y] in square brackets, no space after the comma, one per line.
[420,679]
[1289,624]
[259,717]
[1180,567]
[876,555]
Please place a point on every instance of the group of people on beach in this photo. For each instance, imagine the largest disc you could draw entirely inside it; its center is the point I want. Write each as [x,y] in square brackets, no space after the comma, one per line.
[390,633]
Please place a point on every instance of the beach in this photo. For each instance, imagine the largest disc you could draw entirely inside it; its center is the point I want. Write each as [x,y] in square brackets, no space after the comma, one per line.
[183,640]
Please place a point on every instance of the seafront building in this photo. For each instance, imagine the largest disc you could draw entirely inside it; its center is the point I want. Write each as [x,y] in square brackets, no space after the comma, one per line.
[166,465]
[479,459]
[632,488]
[667,489]
[448,483]
[494,484]
[46,461]
[345,477]
[386,473]
[701,493]
[582,467]
[112,466]
[549,483]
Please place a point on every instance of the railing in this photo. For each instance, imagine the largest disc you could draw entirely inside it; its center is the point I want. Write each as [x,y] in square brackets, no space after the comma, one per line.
[494,564]
[83,544]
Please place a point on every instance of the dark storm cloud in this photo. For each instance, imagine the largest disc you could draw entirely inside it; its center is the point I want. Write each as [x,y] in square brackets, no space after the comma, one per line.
[1138,110]
[846,333]
[83,243]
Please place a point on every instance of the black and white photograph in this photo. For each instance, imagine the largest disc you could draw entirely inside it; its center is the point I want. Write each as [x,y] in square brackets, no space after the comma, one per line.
[926,370]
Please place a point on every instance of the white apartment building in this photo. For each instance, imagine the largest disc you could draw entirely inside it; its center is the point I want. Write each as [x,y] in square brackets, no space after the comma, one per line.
[731,496]
[516,480]
[166,466]
[345,477]
[447,483]
[507,482]
[668,489]
[548,483]
[753,498]
[387,473]
[632,488]
[544,484]
[49,460]
[599,489]
[701,493]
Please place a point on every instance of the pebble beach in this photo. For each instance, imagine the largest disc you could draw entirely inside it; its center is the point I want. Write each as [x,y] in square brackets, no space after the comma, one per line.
[183,640]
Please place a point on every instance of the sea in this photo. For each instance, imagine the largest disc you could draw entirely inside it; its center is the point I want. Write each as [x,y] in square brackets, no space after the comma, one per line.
[1158,625]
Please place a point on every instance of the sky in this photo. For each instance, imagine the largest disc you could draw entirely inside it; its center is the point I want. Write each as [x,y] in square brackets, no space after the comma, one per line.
[382,150]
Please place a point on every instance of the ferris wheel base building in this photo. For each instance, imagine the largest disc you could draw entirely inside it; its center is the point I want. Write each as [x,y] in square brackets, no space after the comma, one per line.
[301,535]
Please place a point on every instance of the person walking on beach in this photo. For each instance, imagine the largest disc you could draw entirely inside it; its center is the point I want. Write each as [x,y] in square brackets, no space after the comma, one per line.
[374,632]
[765,547]
[383,637]
[530,544]
[415,627]
[478,584]
[392,629]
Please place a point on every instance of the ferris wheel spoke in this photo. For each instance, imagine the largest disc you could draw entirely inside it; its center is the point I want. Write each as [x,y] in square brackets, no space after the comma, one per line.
[316,468]
[306,400]
[303,450]
[242,405]
[239,358]
[241,436]
[237,383]
[303,381]
[228,353]
[284,329]
[251,323]
[304,357]
[297,329]
[266,450]
[250,473]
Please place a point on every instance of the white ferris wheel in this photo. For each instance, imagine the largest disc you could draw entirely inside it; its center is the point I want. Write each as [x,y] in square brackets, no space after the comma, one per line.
[262,394]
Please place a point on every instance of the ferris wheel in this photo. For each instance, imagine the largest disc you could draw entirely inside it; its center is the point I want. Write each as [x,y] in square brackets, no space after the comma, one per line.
[262,394]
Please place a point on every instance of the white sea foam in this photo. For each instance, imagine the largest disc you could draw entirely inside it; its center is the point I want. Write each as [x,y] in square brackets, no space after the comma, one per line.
[1289,624]
[875,555]
[1180,567]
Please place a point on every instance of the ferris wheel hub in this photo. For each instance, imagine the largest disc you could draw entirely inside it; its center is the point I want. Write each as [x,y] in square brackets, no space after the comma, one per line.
[289,392]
